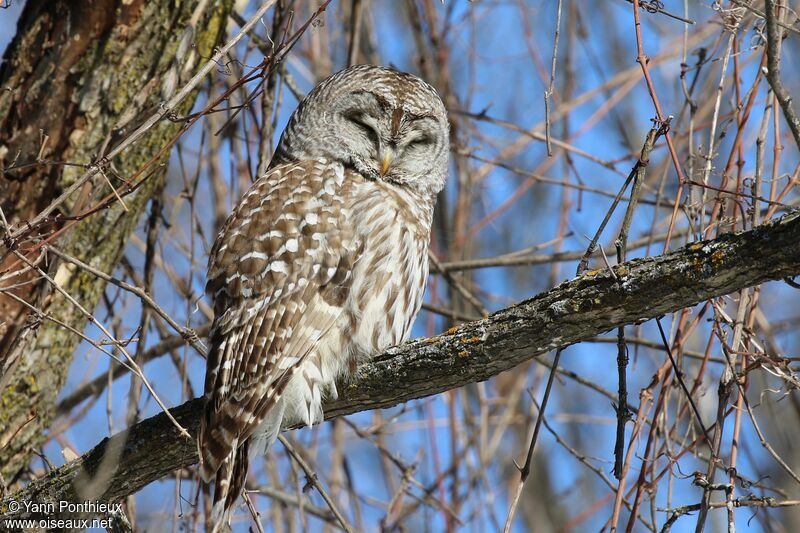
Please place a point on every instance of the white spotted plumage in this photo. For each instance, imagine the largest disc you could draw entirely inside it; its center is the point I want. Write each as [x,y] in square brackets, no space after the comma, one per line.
[322,264]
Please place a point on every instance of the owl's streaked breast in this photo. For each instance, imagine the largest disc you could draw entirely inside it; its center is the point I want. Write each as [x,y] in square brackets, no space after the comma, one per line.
[387,285]
[389,281]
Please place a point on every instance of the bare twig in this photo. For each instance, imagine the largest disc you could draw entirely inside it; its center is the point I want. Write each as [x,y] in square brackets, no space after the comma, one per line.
[312,480]
[525,471]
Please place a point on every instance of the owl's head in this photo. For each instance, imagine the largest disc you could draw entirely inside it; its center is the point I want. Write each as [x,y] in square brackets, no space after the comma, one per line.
[387,125]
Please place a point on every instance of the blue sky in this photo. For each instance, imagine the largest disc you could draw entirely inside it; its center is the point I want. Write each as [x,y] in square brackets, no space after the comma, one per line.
[507,85]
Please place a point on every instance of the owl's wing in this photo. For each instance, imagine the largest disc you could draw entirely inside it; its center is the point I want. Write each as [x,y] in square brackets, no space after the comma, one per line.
[279,273]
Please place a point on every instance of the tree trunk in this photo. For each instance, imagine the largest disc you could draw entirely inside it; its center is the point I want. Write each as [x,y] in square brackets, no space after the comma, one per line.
[76,79]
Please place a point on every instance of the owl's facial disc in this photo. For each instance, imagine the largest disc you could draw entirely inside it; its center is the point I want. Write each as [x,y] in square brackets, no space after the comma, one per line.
[387,142]
[385,124]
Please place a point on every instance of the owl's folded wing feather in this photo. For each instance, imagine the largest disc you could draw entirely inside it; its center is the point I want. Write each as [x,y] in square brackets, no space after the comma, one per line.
[278,272]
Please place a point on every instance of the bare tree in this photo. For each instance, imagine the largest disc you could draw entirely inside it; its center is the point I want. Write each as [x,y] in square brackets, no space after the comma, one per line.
[647,153]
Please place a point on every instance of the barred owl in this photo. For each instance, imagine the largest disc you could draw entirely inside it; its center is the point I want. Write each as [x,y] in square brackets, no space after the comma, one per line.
[322,264]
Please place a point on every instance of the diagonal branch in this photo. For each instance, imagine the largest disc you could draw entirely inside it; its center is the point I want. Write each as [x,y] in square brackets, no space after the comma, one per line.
[774,38]
[575,310]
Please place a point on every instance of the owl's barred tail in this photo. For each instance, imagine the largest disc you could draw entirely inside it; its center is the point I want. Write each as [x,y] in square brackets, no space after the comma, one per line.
[218,439]
[228,484]
[224,460]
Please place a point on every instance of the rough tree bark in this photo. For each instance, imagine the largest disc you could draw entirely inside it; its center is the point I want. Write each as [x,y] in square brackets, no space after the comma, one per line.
[75,80]
[578,309]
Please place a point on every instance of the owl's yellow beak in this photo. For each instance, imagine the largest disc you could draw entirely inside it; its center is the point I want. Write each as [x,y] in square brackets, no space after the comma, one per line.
[386,162]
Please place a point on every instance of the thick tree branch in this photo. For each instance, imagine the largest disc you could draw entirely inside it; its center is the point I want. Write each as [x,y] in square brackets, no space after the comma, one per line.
[575,310]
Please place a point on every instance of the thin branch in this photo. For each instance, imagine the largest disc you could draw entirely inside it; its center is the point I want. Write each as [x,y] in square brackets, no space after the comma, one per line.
[549,92]
[774,38]
[525,471]
[313,480]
